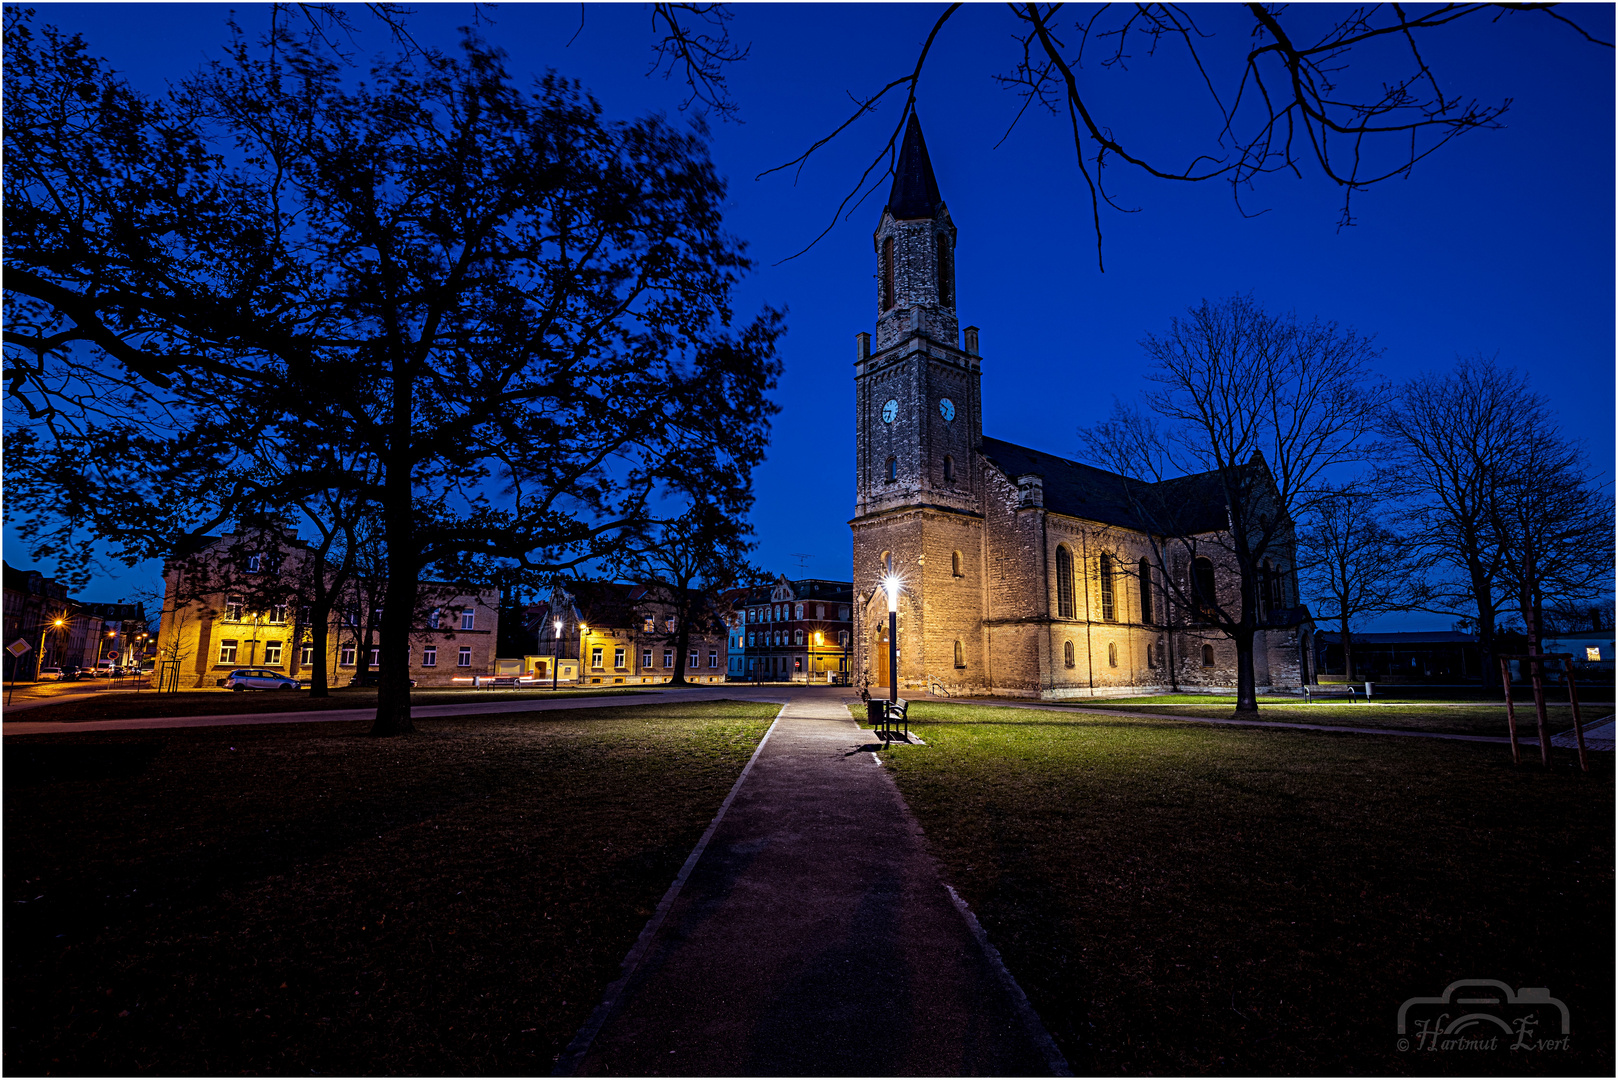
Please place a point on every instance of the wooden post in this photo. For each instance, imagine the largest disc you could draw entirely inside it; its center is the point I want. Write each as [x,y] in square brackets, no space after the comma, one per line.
[1536,670]
[1578,726]
[1511,715]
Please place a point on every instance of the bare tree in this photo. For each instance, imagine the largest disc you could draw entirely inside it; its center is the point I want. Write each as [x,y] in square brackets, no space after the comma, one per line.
[1250,414]
[1449,443]
[1345,91]
[1351,565]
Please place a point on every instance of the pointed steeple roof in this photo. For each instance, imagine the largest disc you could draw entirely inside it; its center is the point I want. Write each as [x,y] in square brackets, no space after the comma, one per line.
[915,189]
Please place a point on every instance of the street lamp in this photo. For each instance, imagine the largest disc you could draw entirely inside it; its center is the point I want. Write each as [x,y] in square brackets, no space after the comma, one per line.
[891,584]
[556,660]
[39,660]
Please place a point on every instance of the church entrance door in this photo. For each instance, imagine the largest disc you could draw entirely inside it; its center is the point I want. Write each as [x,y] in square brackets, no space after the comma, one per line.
[878,667]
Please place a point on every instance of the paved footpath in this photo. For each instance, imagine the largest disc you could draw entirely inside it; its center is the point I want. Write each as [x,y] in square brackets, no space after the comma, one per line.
[811,935]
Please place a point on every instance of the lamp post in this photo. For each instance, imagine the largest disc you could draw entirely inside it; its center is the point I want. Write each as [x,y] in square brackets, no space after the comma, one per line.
[39,659]
[556,659]
[891,584]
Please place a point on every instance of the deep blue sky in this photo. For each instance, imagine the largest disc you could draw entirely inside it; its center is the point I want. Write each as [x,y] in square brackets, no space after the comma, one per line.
[1502,243]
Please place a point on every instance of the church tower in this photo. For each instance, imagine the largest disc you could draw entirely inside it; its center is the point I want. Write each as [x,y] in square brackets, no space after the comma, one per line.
[918,425]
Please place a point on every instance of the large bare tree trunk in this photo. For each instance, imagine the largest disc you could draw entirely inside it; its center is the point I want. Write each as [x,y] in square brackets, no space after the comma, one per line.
[1246,685]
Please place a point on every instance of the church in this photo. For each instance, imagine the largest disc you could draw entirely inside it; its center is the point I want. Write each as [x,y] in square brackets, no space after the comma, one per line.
[1023,573]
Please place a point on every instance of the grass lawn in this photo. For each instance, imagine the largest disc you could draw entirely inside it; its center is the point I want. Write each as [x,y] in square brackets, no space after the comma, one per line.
[128,705]
[1455,718]
[299,899]
[1188,899]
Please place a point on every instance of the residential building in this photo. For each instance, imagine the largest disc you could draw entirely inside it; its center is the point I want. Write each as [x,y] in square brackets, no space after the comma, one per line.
[621,633]
[797,631]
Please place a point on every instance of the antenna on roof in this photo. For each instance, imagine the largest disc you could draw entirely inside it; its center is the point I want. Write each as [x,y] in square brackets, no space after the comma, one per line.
[803,560]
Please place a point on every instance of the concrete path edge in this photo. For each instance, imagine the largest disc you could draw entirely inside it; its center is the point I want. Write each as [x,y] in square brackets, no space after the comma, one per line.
[573,1056]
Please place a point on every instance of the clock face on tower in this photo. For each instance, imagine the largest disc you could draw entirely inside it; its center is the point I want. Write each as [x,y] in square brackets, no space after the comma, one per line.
[889,411]
[946,408]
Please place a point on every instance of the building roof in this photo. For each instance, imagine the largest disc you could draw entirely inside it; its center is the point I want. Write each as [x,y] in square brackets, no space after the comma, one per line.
[915,190]
[1185,505]
[1406,637]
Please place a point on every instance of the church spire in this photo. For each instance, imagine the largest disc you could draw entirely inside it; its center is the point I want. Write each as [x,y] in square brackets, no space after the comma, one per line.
[915,190]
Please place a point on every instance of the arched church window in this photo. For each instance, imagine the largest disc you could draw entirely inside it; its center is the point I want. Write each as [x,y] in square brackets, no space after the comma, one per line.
[887,563]
[887,273]
[1112,654]
[1064,583]
[946,271]
[1207,656]
[1202,587]
[1067,654]
[893,468]
[949,469]
[1108,610]
[955,564]
[1151,654]
[1146,595]
[960,655]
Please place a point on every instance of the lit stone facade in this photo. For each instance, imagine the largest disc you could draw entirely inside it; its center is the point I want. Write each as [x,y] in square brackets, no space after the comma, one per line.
[1021,574]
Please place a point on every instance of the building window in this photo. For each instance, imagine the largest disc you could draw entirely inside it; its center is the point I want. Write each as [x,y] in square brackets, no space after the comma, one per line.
[306,655]
[668,658]
[233,609]
[842,638]
[227,652]
[668,625]
[1064,583]
[893,468]
[649,624]
[713,658]
[278,613]
[797,637]
[596,654]
[464,659]
[693,660]
[646,658]
[1112,654]
[1151,654]
[1146,597]
[1207,656]
[429,656]
[842,614]
[1592,652]
[955,564]
[751,640]
[949,469]
[345,658]
[1202,587]
[886,298]
[1107,609]
[1067,654]
[887,562]
[272,653]
[618,657]
[799,611]
[468,619]
[255,564]
[946,271]
[960,655]
[374,655]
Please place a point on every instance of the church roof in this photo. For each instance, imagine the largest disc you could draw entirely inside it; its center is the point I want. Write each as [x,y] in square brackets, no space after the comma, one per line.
[1185,505]
[915,189]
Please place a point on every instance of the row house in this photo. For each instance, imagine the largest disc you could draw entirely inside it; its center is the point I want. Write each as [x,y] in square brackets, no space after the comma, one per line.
[611,633]
[795,631]
[236,602]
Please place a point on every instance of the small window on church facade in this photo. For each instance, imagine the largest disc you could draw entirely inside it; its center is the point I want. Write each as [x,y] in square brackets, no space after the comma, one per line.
[887,273]
[949,469]
[1151,654]
[946,272]
[1064,583]
[1108,610]
[1112,654]
[893,468]
[1207,656]
[1146,596]
[1067,654]
[960,655]
[955,564]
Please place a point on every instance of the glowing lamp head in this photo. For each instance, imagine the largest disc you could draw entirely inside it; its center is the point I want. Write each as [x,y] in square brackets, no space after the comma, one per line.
[558,625]
[891,584]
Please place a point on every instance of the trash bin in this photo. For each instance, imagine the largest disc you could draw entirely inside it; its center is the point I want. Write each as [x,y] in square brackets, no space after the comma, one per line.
[873,713]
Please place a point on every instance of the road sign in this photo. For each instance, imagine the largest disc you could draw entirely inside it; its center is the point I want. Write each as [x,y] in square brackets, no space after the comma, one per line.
[18,647]
[112,654]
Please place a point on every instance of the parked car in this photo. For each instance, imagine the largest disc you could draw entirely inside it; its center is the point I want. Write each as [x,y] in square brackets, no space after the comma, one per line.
[71,672]
[258,679]
[50,673]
